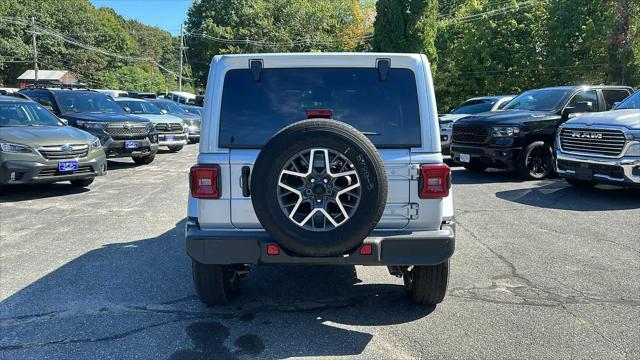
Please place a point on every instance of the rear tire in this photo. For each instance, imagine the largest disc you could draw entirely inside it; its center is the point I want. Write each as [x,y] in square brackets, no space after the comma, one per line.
[354,153]
[215,284]
[581,184]
[82,183]
[535,161]
[427,284]
[175,148]
[475,167]
[144,160]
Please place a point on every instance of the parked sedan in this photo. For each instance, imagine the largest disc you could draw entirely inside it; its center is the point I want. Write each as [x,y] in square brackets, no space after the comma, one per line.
[470,107]
[172,131]
[191,120]
[36,147]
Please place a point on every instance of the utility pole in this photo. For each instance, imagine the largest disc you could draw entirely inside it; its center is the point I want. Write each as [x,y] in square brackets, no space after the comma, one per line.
[35,49]
[181,50]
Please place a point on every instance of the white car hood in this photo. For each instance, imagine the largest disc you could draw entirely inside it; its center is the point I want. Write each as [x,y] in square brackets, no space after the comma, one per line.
[629,118]
[452,117]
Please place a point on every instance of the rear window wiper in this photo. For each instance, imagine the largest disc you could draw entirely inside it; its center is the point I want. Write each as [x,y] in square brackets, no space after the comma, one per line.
[370,133]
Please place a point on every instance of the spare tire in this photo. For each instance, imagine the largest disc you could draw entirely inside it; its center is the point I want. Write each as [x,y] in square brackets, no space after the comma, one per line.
[319,187]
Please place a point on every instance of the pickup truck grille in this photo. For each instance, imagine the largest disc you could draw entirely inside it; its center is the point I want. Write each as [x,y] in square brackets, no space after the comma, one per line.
[59,152]
[604,142]
[127,129]
[169,128]
[469,134]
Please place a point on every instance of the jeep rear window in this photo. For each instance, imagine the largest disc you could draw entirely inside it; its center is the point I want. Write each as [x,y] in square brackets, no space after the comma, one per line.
[387,111]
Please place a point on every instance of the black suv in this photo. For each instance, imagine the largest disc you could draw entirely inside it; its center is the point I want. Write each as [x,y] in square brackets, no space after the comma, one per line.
[520,137]
[121,134]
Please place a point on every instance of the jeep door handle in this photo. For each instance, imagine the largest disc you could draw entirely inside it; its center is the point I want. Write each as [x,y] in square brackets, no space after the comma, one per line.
[244,181]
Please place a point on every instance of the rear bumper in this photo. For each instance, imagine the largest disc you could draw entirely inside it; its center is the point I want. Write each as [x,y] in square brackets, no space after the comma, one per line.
[34,172]
[623,171]
[389,248]
[500,157]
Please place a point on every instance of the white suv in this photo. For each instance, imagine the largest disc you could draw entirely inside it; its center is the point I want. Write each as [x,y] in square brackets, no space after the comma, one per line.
[320,159]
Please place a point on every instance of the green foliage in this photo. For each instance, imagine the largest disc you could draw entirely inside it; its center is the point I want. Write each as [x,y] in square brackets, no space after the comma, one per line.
[274,26]
[102,28]
[478,47]
[406,26]
[538,44]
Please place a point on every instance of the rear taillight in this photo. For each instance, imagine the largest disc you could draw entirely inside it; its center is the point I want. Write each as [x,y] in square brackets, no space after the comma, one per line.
[205,182]
[435,181]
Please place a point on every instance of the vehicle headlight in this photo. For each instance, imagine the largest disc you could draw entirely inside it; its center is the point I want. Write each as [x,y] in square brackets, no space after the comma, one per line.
[91,125]
[446,126]
[96,144]
[14,148]
[633,150]
[505,131]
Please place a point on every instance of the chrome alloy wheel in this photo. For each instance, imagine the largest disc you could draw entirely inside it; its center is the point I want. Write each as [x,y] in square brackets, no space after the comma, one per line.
[319,189]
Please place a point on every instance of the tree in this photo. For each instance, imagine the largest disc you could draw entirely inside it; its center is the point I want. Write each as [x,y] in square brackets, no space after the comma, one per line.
[243,26]
[80,21]
[406,26]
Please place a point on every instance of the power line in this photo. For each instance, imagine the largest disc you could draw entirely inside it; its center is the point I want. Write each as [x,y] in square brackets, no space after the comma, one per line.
[299,41]
[491,13]
[41,29]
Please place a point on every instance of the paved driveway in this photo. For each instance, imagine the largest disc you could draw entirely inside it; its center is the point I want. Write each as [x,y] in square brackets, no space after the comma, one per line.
[541,270]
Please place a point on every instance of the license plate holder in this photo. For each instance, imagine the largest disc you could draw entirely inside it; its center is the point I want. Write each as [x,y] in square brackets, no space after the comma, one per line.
[465,158]
[68,165]
[170,138]
[584,173]
[131,144]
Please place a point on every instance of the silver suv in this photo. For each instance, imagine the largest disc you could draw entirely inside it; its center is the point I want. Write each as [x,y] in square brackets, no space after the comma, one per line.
[320,159]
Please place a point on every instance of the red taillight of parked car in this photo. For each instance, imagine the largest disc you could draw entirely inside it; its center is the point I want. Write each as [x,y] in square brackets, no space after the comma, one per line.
[435,181]
[205,182]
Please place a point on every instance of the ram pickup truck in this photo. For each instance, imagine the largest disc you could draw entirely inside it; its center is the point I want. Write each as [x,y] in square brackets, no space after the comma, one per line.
[327,158]
[602,148]
[521,136]
[121,134]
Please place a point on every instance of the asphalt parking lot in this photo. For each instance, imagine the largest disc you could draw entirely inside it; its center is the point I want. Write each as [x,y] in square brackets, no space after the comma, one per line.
[541,270]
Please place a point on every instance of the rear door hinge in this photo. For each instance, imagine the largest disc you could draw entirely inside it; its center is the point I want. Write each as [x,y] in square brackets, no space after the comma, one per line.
[414,170]
[406,211]
[412,211]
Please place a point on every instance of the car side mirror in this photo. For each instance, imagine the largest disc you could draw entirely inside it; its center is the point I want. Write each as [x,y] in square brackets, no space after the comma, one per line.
[581,107]
[127,109]
[64,121]
[615,104]
[164,112]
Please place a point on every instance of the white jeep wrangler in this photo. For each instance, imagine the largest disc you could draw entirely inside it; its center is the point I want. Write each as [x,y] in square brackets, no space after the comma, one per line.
[320,159]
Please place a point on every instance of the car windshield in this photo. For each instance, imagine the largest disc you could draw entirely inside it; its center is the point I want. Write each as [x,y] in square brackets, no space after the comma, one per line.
[474,106]
[632,102]
[538,100]
[140,107]
[26,114]
[170,107]
[71,102]
[387,111]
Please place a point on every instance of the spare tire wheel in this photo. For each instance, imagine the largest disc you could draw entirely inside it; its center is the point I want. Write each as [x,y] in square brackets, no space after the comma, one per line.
[319,187]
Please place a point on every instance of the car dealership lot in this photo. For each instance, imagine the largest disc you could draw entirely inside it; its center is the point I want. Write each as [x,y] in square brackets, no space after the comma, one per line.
[541,269]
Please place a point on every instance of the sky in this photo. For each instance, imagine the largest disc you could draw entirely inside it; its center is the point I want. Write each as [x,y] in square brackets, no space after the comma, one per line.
[165,14]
